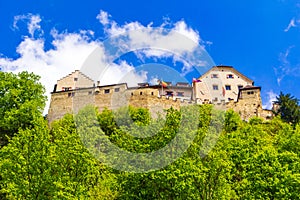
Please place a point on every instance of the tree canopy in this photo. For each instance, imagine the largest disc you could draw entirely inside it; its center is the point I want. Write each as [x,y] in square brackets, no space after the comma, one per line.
[21,99]
[288,108]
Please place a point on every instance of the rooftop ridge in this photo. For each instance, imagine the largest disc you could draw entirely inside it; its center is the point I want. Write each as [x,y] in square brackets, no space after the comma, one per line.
[78,72]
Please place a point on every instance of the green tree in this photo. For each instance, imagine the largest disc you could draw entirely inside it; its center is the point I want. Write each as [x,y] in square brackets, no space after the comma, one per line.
[289,109]
[79,174]
[262,168]
[39,163]
[232,121]
[190,176]
[21,98]
[26,164]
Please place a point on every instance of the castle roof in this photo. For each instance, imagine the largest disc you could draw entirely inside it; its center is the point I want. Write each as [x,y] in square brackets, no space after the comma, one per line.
[250,87]
[79,72]
[93,87]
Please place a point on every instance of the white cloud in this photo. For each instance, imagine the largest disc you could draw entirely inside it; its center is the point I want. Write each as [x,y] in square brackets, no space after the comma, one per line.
[33,23]
[103,17]
[270,99]
[182,28]
[154,80]
[122,73]
[69,52]
[286,68]
[80,50]
[169,40]
[291,24]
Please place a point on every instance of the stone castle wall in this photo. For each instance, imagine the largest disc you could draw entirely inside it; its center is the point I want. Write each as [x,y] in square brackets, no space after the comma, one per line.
[249,105]
[111,97]
[115,96]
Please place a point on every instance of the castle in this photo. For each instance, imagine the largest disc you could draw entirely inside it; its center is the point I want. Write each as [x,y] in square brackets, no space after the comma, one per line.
[222,86]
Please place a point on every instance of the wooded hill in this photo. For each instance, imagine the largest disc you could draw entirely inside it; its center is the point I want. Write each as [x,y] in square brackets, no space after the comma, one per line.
[226,158]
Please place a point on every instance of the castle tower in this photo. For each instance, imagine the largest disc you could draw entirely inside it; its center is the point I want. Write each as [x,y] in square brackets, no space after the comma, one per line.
[249,103]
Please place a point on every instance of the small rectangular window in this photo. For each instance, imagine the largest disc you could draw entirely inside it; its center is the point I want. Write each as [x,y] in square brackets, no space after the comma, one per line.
[169,93]
[75,79]
[230,76]
[214,76]
[215,87]
[71,94]
[117,89]
[106,91]
[90,92]
[227,87]
[180,94]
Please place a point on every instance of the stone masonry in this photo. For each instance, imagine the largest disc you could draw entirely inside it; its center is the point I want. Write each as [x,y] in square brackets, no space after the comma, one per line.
[76,90]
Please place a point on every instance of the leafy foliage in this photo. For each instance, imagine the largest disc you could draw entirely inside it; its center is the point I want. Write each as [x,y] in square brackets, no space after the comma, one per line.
[21,99]
[26,165]
[227,159]
[39,163]
[289,109]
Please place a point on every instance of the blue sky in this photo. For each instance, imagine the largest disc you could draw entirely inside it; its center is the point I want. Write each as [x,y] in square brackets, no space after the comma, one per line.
[261,39]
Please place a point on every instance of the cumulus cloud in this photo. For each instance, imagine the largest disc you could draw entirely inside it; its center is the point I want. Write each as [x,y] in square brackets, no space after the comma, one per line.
[123,73]
[80,50]
[103,17]
[68,53]
[176,40]
[271,97]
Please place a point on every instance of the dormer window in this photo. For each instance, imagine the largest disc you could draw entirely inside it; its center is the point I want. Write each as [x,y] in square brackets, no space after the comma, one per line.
[230,76]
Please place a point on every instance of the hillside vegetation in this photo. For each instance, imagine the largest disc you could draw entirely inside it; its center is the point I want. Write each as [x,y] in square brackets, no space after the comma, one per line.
[226,157]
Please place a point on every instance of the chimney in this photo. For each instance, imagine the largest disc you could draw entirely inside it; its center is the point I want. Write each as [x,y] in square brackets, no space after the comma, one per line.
[98,83]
